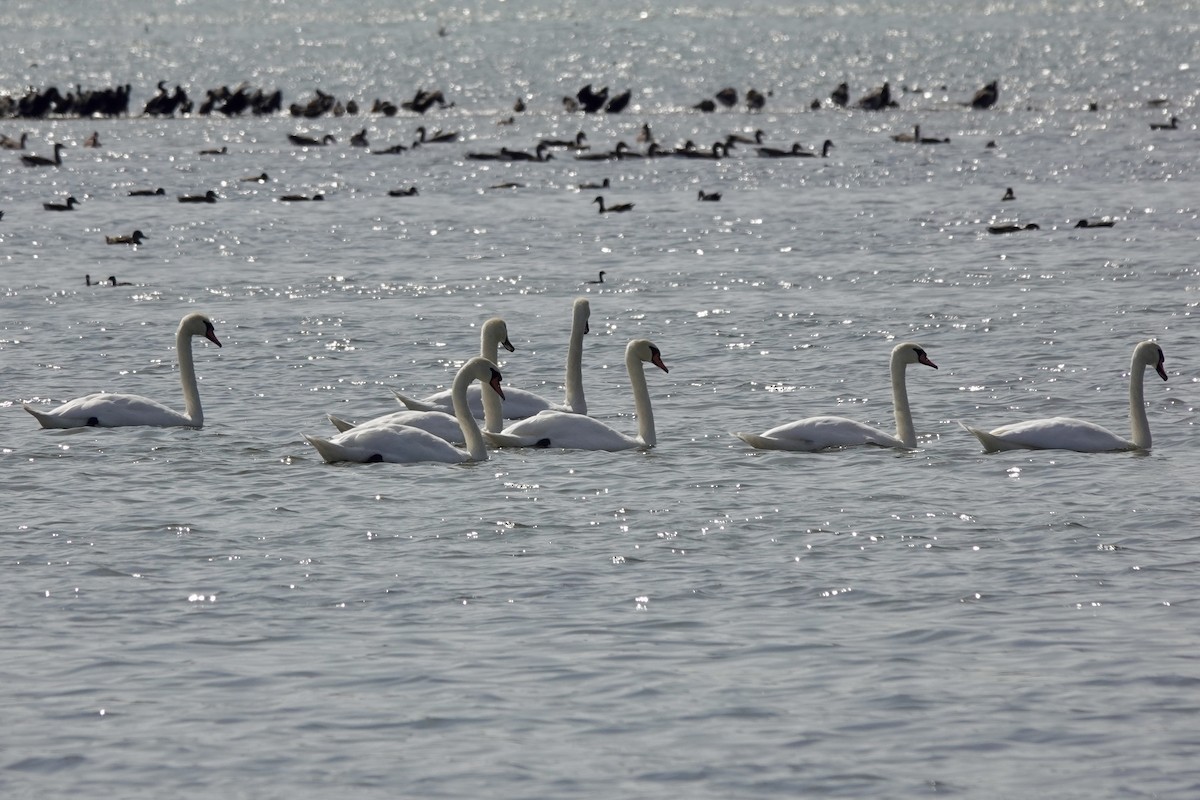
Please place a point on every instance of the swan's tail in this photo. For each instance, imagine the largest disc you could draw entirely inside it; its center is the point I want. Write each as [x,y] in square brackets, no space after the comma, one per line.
[415,404]
[991,443]
[510,440]
[54,421]
[339,423]
[765,442]
[333,452]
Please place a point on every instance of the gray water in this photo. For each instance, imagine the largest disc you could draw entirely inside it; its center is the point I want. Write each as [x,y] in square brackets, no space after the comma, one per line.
[219,613]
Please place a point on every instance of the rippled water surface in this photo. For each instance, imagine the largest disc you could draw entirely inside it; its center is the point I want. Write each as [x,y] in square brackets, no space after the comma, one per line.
[219,612]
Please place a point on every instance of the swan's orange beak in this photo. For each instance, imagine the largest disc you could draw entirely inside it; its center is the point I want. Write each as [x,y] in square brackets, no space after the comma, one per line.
[924,359]
[1159,367]
[656,360]
[507,345]
[495,384]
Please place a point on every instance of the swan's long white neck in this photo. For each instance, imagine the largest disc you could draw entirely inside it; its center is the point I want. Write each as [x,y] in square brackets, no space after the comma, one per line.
[187,377]
[1138,422]
[466,421]
[905,431]
[579,324]
[641,398]
[489,347]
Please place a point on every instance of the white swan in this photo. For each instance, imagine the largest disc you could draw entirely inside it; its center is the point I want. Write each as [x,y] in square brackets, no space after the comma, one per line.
[518,403]
[402,444]
[821,433]
[563,429]
[109,410]
[439,423]
[1065,433]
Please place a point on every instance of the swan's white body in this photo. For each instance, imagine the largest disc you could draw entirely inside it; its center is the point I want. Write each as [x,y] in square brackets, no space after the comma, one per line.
[439,423]
[518,403]
[827,432]
[402,444]
[1065,433]
[563,429]
[109,410]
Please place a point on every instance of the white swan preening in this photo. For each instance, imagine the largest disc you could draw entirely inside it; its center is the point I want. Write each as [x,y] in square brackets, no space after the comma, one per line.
[402,444]
[822,433]
[109,410]
[561,429]
[1065,433]
[518,403]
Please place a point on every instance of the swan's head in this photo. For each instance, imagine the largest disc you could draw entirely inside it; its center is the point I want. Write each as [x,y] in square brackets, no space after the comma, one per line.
[583,310]
[645,350]
[496,330]
[912,353]
[480,369]
[1149,354]
[199,325]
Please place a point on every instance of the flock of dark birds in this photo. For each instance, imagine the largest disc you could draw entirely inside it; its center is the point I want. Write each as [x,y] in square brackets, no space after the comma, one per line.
[115,102]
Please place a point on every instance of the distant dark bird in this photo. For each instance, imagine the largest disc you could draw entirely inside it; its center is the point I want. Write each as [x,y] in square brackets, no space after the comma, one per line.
[67,206]
[40,161]
[825,146]
[727,97]
[775,152]
[1013,228]
[604,184]
[260,178]
[1095,223]
[591,100]
[645,135]
[134,238]
[359,139]
[718,151]
[755,100]
[112,281]
[987,96]
[8,143]
[223,150]
[578,143]
[618,103]
[301,140]
[437,136]
[208,197]
[707,106]
[1009,194]
[743,139]
[877,100]
[394,150]
[507,185]
[93,140]
[841,95]
[1,215]
[300,198]
[617,209]
[917,138]
[710,197]
[519,106]
[409,192]
[1165,126]
[146,192]
[599,279]
[87,279]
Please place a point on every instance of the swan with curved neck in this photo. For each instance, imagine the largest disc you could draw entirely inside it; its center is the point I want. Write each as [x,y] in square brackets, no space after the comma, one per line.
[519,403]
[110,410]
[1065,433]
[401,444]
[822,433]
[569,431]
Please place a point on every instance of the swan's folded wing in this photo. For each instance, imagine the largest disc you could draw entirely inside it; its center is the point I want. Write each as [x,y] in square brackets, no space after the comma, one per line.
[1054,433]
